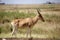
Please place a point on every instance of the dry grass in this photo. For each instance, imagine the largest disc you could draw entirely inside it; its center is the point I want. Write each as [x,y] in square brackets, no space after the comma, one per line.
[48,29]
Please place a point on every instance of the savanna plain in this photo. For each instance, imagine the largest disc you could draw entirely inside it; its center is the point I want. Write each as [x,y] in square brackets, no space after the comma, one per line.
[48,29]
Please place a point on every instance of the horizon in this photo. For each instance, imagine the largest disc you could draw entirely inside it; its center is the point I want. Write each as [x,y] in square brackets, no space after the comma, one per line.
[28,1]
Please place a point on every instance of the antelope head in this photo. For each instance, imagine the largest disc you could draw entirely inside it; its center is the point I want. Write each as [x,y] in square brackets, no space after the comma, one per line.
[40,16]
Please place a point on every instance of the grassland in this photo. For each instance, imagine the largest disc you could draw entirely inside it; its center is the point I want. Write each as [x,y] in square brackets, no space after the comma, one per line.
[48,29]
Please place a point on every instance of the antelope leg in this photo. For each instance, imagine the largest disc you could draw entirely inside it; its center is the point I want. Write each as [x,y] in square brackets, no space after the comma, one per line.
[28,32]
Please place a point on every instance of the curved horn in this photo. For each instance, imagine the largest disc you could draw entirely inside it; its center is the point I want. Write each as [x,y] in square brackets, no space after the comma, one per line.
[40,15]
[38,11]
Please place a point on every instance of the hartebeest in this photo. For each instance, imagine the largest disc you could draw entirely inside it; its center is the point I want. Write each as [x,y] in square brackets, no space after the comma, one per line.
[26,22]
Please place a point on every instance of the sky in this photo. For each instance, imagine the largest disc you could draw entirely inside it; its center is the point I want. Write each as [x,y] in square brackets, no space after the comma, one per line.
[28,1]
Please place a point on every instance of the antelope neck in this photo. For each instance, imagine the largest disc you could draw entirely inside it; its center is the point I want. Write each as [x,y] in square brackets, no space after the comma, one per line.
[35,19]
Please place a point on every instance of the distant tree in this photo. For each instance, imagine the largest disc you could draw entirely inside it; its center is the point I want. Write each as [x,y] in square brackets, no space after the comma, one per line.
[2,3]
[48,2]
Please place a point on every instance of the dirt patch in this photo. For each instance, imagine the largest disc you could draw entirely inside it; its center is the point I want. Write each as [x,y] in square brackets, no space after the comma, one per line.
[28,39]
